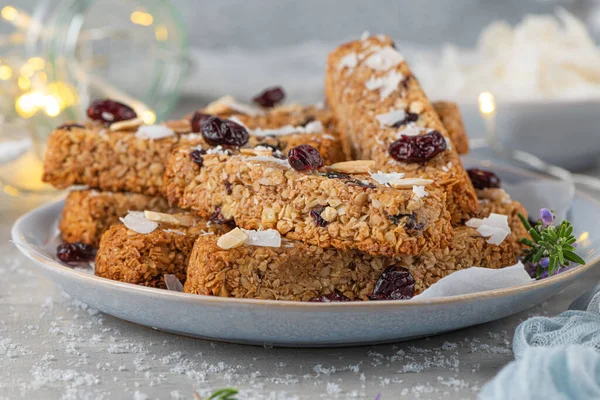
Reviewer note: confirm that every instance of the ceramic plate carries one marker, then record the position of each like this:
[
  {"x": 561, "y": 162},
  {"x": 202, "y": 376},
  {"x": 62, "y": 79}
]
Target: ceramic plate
[{"x": 286, "y": 323}]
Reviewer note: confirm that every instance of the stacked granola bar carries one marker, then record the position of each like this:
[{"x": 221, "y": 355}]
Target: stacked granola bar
[{"x": 364, "y": 200}]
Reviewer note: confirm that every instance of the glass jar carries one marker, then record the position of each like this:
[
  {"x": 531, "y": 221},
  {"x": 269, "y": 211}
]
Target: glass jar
[{"x": 63, "y": 54}]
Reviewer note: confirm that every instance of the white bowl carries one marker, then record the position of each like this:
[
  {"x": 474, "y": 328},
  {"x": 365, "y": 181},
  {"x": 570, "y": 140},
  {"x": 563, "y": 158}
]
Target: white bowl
[{"x": 563, "y": 133}]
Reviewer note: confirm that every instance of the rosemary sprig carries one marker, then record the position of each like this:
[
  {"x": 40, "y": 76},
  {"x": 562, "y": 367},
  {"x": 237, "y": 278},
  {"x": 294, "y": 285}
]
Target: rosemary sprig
[
  {"x": 550, "y": 247},
  {"x": 220, "y": 394}
]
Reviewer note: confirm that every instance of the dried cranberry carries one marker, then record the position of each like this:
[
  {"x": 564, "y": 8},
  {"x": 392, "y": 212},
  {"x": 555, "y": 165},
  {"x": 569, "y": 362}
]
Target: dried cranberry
[
  {"x": 228, "y": 187},
  {"x": 217, "y": 131},
  {"x": 197, "y": 119},
  {"x": 418, "y": 149},
  {"x": 217, "y": 218},
  {"x": 410, "y": 221},
  {"x": 395, "y": 283},
  {"x": 73, "y": 253},
  {"x": 405, "y": 81},
  {"x": 334, "y": 297},
  {"x": 409, "y": 117},
  {"x": 197, "y": 156},
  {"x": 316, "y": 214},
  {"x": 110, "y": 111},
  {"x": 483, "y": 179},
  {"x": 68, "y": 127},
  {"x": 305, "y": 157},
  {"x": 270, "y": 97}
]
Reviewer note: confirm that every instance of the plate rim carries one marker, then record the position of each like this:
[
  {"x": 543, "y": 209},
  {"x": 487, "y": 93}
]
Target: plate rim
[{"x": 217, "y": 300}]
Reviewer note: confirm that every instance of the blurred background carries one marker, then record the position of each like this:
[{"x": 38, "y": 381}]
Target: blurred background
[{"x": 166, "y": 58}]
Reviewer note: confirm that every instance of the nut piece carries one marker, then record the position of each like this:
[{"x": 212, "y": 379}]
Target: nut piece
[
  {"x": 354, "y": 167},
  {"x": 219, "y": 106},
  {"x": 179, "y": 126},
  {"x": 408, "y": 183},
  {"x": 256, "y": 152},
  {"x": 127, "y": 124},
  {"x": 232, "y": 239},
  {"x": 183, "y": 220}
]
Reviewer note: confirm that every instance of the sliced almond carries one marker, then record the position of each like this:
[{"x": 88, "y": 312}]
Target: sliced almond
[
  {"x": 220, "y": 106},
  {"x": 232, "y": 239},
  {"x": 127, "y": 124},
  {"x": 408, "y": 183},
  {"x": 179, "y": 126},
  {"x": 247, "y": 151},
  {"x": 174, "y": 219},
  {"x": 354, "y": 167}
]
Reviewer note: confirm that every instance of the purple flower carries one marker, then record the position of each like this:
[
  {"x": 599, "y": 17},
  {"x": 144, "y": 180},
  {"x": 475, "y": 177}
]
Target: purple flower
[
  {"x": 544, "y": 262},
  {"x": 546, "y": 217}
]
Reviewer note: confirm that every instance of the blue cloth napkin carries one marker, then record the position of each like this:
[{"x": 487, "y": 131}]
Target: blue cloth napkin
[{"x": 555, "y": 358}]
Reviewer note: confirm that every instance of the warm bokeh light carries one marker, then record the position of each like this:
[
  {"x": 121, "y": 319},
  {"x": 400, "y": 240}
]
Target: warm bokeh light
[
  {"x": 27, "y": 70},
  {"x": 141, "y": 18},
  {"x": 31, "y": 102},
  {"x": 161, "y": 33},
  {"x": 9, "y": 13},
  {"x": 583, "y": 237},
  {"x": 51, "y": 106},
  {"x": 36, "y": 63},
  {"x": 148, "y": 117},
  {"x": 5, "y": 72},
  {"x": 487, "y": 105},
  {"x": 24, "y": 83}
]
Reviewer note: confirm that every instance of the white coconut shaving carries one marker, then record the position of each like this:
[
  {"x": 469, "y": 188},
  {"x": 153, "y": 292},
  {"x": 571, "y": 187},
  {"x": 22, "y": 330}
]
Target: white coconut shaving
[
  {"x": 386, "y": 84},
  {"x": 266, "y": 238},
  {"x": 420, "y": 191},
  {"x": 384, "y": 178},
  {"x": 311, "y": 127},
  {"x": 384, "y": 59},
  {"x": 154, "y": 132},
  {"x": 411, "y": 129},
  {"x": 348, "y": 61},
  {"x": 136, "y": 221},
  {"x": 173, "y": 283},
  {"x": 391, "y": 117},
  {"x": 495, "y": 227}
]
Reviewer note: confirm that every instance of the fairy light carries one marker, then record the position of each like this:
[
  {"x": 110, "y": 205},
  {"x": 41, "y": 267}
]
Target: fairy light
[
  {"x": 141, "y": 18},
  {"x": 583, "y": 237},
  {"x": 5, "y": 72},
  {"x": 487, "y": 105},
  {"x": 149, "y": 117},
  {"x": 27, "y": 70},
  {"x": 161, "y": 33},
  {"x": 37, "y": 63},
  {"x": 9, "y": 13},
  {"x": 51, "y": 106}
]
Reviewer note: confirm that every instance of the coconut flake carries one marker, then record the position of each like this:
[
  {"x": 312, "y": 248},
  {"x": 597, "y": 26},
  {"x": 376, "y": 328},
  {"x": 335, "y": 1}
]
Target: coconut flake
[
  {"x": 284, "y": 163},
  {"x": 411, "y": 129},
  {"x": 173, "y": 283},
  {"x": 153, "y": 132},
  {"x": 312, "y": 127},
  {"x": 266, "y": 238},
  {"x": 391, "y": 117},
  {"x": 385, "y": 178},
  {"x": 495, "y": 227},
  {"x": 386, "y": 84},
  {"x": 420, "y": 191},
  {"x": 384, "y": 59},
  {"x": 175, "y": 231},
  {"x": 348, "y": 61},
  {"x": 365, "y": 35},
  {"x": 217, "y": 150},
  {"x": 136, "y": 221}
]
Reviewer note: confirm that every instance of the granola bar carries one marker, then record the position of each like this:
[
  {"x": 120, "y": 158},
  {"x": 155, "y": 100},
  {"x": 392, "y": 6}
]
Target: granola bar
[
  {"x": 300, "y": 271},
  {"x": 330, "y": 210},
  {"x": 143, "y": 259},
  {"x": 88, "y": 213},
  {"x": 451, "y": 117},
  {"x": 376, "y": 100}
]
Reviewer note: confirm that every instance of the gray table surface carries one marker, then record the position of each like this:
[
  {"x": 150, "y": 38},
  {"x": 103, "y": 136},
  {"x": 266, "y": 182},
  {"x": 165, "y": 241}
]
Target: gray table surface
[{"x": 53, "y": 347}]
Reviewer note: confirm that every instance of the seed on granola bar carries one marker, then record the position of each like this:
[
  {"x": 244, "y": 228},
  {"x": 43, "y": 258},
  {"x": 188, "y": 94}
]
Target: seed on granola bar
[
  {"x": 197, "y": 119},
  {"x": 217, "y": 131},
  {"x": 196, "y": 156},
  {"x": 418, "y": 149},
  {"x": 335, "y": 297},
  {"x": 305, "y": 157},
  {"x": 76, "y": 252},
  {"x": 110, "y": 111},
  {"x": 316, "y": 214},
  {"x": 482, "y": 179},
  {"x": 395, "y": 283},
  {"x": 270, "y": 97}
]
